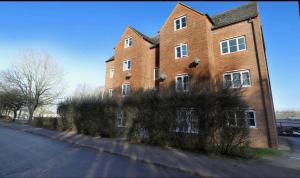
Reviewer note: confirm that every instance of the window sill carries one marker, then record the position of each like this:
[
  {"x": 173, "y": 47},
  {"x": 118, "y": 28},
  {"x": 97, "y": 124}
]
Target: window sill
[{"x": 232, "y": 52}]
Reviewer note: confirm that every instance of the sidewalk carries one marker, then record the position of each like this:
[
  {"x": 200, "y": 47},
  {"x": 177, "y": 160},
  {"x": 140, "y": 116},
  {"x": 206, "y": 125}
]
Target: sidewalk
[{"x": 197, "y": 164}]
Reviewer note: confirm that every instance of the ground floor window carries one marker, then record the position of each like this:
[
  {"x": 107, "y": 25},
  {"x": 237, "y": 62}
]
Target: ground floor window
[
  {"x": 126, "y": 89},
  {"x": 235, "y": 117},
  {"x": 121, "y": 119},
  {"x": 182, "y": 82},
  {"x": 186, "y": 120},
  {"x": 110, "y": 92}
]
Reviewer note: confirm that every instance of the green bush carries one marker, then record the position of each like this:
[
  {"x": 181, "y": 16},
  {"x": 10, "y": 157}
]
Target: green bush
[
  {"x": 198, "y": 120},
  {"x": 89, "y": 115}
]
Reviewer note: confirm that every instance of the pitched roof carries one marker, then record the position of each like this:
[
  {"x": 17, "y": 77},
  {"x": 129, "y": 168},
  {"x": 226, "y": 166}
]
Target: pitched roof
[
  {"x": 235, "y": 15},
  {"x": 110, "y": 59},
  {"x": 152, "y": 40}
]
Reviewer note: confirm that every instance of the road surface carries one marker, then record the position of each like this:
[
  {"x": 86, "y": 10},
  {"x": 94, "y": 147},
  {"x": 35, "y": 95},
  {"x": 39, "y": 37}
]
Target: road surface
[{"x": 28, "y": 155}]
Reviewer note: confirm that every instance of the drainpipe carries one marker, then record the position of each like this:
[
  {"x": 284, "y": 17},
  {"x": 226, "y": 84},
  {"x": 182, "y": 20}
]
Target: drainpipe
[{"x": 261, "y": 82}]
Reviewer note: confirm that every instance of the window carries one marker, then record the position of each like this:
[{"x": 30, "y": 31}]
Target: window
[
  {"x": 181, "y": 50},
  {"x": 156, "y": 74},
  {"x": 237, "y": 79},
  {"x": 125, "y": 89},
  {"x": 250, "y": 115},
  {"x": 121, "y": 119},
  {"x": 186, "y": 120},
  {"x": 128, "y": 42},
  {"x": 110, "y": 92},
  {"x": 235, "y": 118},
  {"x": 182, "y": 83},
  {"x": 111, "y": 72},
  {"x": 233, "y": 45},
  {"x": 126, "y": 65},
  {"x": 180, "y": 23}
]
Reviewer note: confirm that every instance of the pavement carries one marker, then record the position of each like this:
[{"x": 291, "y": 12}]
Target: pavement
[
  {"x": 28, "y": 155},
  {"x": 170, "y": 159}
]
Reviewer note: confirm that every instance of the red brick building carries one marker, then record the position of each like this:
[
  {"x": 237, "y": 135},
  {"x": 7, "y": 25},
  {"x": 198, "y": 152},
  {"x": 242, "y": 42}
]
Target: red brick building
[{"x": 227, "y": 48}]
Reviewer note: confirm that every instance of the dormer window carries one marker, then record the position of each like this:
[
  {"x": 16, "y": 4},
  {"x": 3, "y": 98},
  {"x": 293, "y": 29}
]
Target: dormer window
[
  {"x": 128, "y": 42},
  {"x": 180, "y": 23}
]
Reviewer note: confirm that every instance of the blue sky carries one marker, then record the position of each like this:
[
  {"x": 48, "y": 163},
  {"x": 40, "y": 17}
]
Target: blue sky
[{"x": 81, "y": 36}]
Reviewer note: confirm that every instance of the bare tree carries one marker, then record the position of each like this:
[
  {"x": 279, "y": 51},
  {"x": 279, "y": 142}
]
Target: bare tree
[
  {"x": 37, "y": 77},
  {"x": 10, "y": 100},
  {"x": 84, "y": 90}
]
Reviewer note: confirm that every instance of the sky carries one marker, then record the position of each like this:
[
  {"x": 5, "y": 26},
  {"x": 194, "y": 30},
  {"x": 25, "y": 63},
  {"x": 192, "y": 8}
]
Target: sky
[{"x": 80, "y": 36}]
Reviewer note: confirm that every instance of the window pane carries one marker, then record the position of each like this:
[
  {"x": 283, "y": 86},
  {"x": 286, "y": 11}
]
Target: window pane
[
  {"x": 236, "y": 79},
  {"x": 129, "y": 65},
  {"x": 232, "y": 42},
  {"x": 178, "y": 52},
  {"x": 130, "y": 42},
  {"x": 177, "y": 24},
  {"x": 179, "y": 83},
  {"x": 251, "y": 122},
  {"x": 183, "y": 22},
  {"x": 241, "y": 41},
  {"x": 185, "y": 83},
  {"x": 224, "y": 45},
  {"x": 233, "y": 48},
  {"x": 250, "y": 114},
  {"x": 246, "y": 79},
  {"x": 228, "y": 82},
  {"x": 233, "y": 45},
  {"x": 242, "y": 47},
  {"x": 184, "y": 50}
]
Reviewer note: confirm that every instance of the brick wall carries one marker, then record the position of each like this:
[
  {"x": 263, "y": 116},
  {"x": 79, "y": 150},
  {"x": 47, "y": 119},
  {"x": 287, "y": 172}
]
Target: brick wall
[{"x": 204, "y": 44}]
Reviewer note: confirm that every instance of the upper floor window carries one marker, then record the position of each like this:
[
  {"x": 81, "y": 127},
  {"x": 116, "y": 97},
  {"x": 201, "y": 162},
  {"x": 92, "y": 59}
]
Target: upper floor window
[
  {"x": 233, "y": 45},
  {"x": 111, "y": 72},
  {"x": 125, "y": 89},
  {"x": 180, "y": 23},
  {"x": 182, "y": 82},
  {"x": 128, "y": 42},
  {"x": 181, "y": 50},
  {"x": 110, "y": 92},
  {"x": 237, "y": 79},
  {"x": 127, "y": 65}
]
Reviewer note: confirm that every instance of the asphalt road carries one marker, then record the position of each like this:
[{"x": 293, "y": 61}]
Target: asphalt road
[
  {"x": 294, "y": 143},
  {"x": 27, "y": 155}
]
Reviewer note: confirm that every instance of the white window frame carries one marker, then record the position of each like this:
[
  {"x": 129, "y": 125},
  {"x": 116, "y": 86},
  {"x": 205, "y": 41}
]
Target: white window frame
[
  {"x": 254, "y": 113},
  {"x": 111, "y": 73},
  {"x": 127, "y": 42},
  {"x": 110, "y": 92},
  {"x": 182, "y": 77},
  {"x": 121, "y": 117},
  {"x": 188, "y": 118},
  {"x": 180, "y": 22},
  {"x": 241, "y": 74},
  {"x": 127, "y": 93},
  {"x": 156, "y": 73},
  {"x": 245, "y": 111},
  {"x": 180, "y": 46},
  {"x": 125, "y": 65},
  {"x": 228, "y": 47}
]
